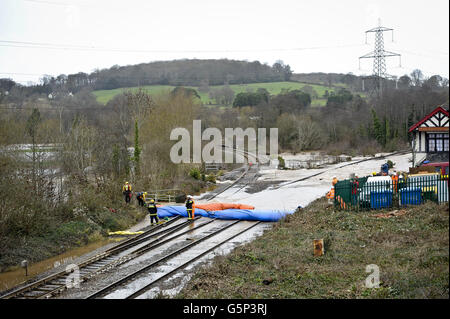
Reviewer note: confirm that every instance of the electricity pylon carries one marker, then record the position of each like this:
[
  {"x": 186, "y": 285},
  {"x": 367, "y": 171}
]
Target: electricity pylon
[{"x": 379, "y": 55}]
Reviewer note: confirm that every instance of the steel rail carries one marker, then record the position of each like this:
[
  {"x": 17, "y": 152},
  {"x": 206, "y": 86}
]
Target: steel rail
[
  {"x": 110, "y": 287},
  {"x": 146, "y": 287},
  {"x": 150, "y": 246},
  {"x": 348, "y": 164},
  {"x": 102, "y": 256},
  {"x": 155, "y": 234},
  {"x": 149, "y": 231},
  {"x": 121, "y": 260},
  {"x": 245, "y": 154}
]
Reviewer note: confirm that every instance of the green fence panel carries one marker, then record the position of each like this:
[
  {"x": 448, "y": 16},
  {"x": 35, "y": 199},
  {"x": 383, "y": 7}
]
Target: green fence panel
[{"x": 381, "y": 192}]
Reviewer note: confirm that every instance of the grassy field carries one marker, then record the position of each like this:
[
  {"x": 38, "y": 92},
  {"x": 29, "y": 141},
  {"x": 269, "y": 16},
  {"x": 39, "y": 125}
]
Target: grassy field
[
  {"x": 103, "y": 96},
  {"x": 411, "y": 251}
]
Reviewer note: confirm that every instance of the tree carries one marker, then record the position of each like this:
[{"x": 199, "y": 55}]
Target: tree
[
  {"x": 283, "y": 69},
  {"x": 340, "y": 98},
  {"x": 78, "y": 148},
  {"x": 378, "y": 132},
  {"x": 249, "y": 99},
  {"x": 32, "y": 128},
  {"x": 310, "y": 135},
  {"x": 310, "y": 90},
  {"x": 188, "y": 92},
  {"x": 404, "y": 82},
  {"x": 291, "y": 101},
  {"x": 137, "y": 149},
  {"x": 434, "y": 82},
  {"x": 416, "y": 77}
]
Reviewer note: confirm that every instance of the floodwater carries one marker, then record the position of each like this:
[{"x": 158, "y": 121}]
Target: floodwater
[
  {"x": 185, "y": 256},
  {"x": 13, "y": 278}
]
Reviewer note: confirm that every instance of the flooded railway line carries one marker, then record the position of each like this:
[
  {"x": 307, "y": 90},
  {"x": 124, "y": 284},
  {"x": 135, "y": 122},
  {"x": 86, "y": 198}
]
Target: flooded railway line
[
  {"x": 181, "y": 256},
  {"x": 54, "y": 284}
]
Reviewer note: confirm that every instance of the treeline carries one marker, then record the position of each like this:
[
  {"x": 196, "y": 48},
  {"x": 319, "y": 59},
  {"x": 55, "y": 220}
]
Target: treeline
[
  {"x": 363, "y": 83},
  {"x": 348, "y": 123},
  {"x": 177, "y": 73}
]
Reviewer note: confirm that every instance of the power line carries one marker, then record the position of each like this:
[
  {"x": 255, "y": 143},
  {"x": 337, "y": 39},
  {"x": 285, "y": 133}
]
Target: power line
[{"x": 55, "y": 46}]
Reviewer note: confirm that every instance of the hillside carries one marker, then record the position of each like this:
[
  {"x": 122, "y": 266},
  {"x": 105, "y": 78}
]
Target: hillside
[{"x": 103, "y": 96}]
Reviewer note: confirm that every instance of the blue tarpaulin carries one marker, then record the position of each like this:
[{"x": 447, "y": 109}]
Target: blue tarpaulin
[{"x": 241, "y": 214}]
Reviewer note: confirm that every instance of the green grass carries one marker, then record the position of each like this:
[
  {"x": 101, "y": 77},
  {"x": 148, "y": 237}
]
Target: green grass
[
  {"x": 411, "y": 251},
  {"x": 103, "y": 96}
]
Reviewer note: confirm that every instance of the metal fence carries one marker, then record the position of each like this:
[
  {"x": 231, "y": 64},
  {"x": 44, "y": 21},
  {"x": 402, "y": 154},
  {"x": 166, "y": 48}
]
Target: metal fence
[
  {"x": 163, "y": 195},
  {"x": 213, "y": 166},
  {"x": 386, "y": 192}
]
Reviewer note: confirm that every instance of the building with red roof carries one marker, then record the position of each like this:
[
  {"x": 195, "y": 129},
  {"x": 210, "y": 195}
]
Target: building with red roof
[{"x": 430, "y": 137}]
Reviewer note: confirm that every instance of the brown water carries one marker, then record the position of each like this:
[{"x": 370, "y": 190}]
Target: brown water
[{"x": 13, "y": 278}]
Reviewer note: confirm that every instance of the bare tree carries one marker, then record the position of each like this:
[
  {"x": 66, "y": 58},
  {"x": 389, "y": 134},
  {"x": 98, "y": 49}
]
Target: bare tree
[{"x": 417, "y": 77}]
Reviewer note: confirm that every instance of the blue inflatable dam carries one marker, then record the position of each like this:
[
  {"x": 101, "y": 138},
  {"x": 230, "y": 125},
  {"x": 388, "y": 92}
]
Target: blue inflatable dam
[{"x": 240, "y": 214}]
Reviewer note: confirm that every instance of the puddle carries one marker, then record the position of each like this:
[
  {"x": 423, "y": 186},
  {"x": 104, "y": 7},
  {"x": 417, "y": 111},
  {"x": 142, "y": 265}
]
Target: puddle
[{"x": 13, "y": 278}]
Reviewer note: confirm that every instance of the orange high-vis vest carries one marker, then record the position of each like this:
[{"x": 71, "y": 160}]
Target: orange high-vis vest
[
  {"x": 330, "y": 194},
  {"x": 395, "y": 182}
]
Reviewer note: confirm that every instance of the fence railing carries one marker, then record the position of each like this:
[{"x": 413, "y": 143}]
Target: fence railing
[
  {"x": 213, "y": 166},
  {"x": 368, "y": 193},
  {"x": 163, "y": 195}
]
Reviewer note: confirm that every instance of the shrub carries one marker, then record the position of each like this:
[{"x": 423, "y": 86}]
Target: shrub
[
  {"x": 195, "y": 173},
  {"x": 211, "y": 178},
  {"x": 281, "y": 163}
]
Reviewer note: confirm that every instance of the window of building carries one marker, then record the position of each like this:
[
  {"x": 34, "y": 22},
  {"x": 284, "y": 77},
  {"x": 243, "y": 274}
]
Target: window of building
[{"x": 437, "y": 142}]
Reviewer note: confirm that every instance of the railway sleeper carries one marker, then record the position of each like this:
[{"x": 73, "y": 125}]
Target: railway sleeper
[
  {"x": 45, "y": 287},
  {"x": 33, "y": 294}
]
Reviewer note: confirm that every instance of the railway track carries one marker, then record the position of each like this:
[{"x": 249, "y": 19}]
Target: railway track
[
  {"x": 240, "y": 179},
  {"x": 54, "y": 284},
  {"x": 345, "y": 165},
  {"x": 122, "y": 252},
  {"x": 151, "y": 239},
  {"x": 145, "y": 272}
]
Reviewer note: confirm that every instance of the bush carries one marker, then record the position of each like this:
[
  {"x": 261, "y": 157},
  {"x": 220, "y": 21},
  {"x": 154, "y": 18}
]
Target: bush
[
  {"x": 211, "y": 178},
  {"x": 281, "y": 163},
  {"x": 195, "y": 173}
]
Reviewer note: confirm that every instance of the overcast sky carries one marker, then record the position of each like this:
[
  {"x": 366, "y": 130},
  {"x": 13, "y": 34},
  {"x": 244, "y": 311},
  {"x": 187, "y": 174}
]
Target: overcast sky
[{"x": 68, "y": 36}]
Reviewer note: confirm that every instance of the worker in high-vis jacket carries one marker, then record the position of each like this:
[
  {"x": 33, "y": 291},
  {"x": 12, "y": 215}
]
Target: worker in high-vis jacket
[
  {"x": 140, "y": 198},
  {"x": 153, "y": 211},
  {"x": 126, "y": 190},
  {"x": 190, "y": 206},
  {"x": 334, "y": 181}
]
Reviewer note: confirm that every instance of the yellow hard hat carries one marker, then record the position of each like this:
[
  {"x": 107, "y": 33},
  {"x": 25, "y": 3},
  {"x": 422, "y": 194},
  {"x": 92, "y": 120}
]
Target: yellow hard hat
[
  {"x": 145, "y": 193},
  {"x": 152, "y": 200},
  {"x": 126, "y": 182}
]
